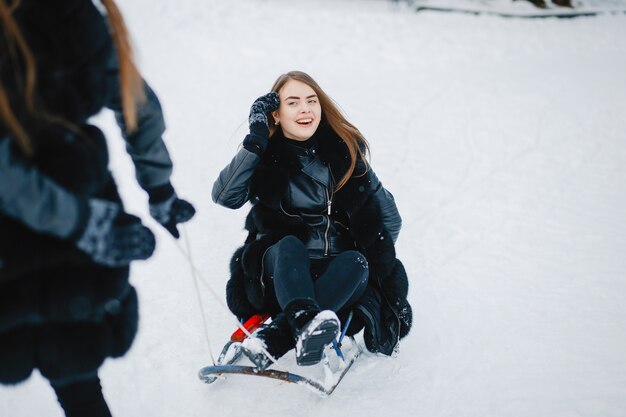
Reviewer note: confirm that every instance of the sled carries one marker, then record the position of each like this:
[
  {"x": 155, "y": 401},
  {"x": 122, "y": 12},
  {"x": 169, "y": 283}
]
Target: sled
[{"x": 231, "y": 353}]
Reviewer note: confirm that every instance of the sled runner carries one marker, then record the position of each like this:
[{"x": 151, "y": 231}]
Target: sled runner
[
  {"x": 211, "y": 373},
  {"x": 334, "y": 370}
]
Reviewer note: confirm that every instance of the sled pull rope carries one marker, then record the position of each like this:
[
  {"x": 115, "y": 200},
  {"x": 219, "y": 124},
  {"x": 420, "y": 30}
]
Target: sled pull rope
[
  {"x": 197, "y": 276},
  {"x": 194, "y": 275}
]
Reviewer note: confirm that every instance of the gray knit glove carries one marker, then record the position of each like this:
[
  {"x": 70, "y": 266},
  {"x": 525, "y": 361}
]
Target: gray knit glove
[
  {"x": 112, "y": 237},
  {"x": 257, "y": 140},
  {"x": 258, "y": 113}
]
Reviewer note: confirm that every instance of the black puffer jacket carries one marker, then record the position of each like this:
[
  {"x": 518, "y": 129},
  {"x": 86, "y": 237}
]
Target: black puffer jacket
[
  {"x": 290, "y": 189},
  {"x": 60, "y": 312}
]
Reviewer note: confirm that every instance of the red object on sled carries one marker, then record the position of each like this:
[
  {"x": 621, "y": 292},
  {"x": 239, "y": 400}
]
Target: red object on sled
[{"x": 250, "y": 325}]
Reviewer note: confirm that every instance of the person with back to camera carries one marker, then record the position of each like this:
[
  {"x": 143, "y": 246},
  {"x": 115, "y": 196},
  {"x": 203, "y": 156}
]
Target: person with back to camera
[
  {"x": 65, "y": 241},
  {"x": 321, "y": 230}
]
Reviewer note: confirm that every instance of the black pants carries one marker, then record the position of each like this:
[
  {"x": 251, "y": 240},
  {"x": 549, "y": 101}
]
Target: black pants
[
  {"x": 336, "y": 283},
  {"x": 82, "y": 398}
]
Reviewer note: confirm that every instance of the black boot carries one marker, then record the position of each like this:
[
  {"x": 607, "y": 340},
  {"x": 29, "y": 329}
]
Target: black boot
[
  {"x": 275, "y": 338},
  {"x": 312, "y": 329},
  {"x": 82, "y": 399}
]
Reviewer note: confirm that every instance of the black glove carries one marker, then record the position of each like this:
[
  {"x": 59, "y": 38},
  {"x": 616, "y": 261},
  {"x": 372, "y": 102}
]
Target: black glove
[
  {"x": 112, "y": 237},
  {"x": 256, "y": 141},
  {"x": 168, "y": 209}
]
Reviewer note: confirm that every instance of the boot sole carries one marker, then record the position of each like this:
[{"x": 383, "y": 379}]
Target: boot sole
[{"x": 313, "y": 345}]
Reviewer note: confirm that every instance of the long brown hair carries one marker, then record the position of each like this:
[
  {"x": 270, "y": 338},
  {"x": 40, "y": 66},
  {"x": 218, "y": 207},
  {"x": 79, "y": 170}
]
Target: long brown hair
[
  {"x": 331, "y": 114},
  {"x": 14, "y": 52},
  {"x": 131, "y": 83},
  {"x": 14, "y": 48}
]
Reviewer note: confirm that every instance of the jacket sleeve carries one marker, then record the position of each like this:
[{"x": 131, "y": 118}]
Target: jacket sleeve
[
  {"x": 145, "y": 145},
  {"x": 33, "y": 199},
  {"x": 230, "y": 189},
  {"x": 391, "y": 216}
]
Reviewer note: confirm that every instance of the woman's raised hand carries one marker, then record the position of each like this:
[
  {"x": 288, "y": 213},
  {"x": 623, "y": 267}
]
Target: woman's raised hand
[
  {"x": 258, "y": 113},
  {"x": 257, "y": 140}
]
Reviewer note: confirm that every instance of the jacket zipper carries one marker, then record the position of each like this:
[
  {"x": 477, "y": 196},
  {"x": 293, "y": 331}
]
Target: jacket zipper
[{"x": 329, "y": 200}]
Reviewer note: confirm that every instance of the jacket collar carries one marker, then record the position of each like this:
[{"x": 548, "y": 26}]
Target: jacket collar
[{"x": 329, "y": 148}]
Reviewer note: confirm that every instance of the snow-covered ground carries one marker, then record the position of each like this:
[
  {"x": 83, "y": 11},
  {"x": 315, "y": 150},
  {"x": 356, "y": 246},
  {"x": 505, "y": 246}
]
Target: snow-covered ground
[{"x": 504, "y": 144}]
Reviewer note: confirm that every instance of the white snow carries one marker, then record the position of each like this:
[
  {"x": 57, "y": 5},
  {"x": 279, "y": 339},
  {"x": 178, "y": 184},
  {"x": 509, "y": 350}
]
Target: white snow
[{"x": 503, "y": 142}]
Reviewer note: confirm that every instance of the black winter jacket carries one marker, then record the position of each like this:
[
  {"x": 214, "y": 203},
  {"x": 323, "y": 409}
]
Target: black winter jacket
[
  {"x": 290, "y": 189},
  {"x": 60, "y": 312}
]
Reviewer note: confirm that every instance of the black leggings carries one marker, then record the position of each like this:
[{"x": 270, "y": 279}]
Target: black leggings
[
  {"x": 287, "y": 264},
  {"x": 82, "y": 398}
]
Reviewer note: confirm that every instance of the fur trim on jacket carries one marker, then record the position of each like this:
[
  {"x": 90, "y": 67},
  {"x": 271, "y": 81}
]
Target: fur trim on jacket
[{"x": 60, "y": 312}]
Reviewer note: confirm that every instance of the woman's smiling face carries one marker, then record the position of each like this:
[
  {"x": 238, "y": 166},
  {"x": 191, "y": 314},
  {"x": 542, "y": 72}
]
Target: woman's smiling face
[{"x": 300, "y": 111}]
